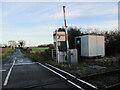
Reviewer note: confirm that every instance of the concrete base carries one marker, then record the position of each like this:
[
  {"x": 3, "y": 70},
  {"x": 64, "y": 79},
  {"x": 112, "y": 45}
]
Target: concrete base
[
  {"x": 72, "y": 56},
  {"x": 61, "y": 57}
]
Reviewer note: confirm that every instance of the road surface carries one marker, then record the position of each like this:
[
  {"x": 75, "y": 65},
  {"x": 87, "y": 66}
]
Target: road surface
[{"x": 19, "y": 72}]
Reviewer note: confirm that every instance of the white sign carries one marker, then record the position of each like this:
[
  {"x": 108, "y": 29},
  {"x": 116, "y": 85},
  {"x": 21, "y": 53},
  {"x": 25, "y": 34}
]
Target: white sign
[{"x": 59, "y": 36}]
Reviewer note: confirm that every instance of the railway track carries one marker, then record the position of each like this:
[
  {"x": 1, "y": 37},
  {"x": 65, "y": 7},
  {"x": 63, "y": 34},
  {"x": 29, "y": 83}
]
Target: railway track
[
  {"x": 92, "y": 82},
  {"x": 103, "y": 81},
  {"x": 106, "y": 80},
  {"x": 78, "y": 83},
  {"x": 85, "y": 85}
]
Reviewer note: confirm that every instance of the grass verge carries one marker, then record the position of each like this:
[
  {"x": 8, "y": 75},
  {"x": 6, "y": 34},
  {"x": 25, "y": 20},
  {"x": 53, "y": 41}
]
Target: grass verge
[
  {"x": 6, "y": 52},
  {"x": 34, "y": 57},
  {"x": 82, "y": 63},
  {"x": 36, "y": 49},
  {"x": 65, "y": 66}
]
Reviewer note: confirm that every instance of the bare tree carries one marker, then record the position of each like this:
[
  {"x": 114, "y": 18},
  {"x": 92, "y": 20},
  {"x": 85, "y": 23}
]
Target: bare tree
[
  {"x": 21, "y": 43},
  {"x": 12, "y": 43}
]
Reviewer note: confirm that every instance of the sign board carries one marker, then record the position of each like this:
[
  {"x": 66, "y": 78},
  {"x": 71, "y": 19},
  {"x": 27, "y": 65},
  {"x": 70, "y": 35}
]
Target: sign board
[{"x": 59, "y": 36}]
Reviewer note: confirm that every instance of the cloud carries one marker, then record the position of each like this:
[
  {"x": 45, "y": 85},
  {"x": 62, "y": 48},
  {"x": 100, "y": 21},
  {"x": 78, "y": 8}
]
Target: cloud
[
  {"x": 28, "y": 12},
  {"x": 106, "y": 25},
  {"x": 85, "y": 9},
  {"x": 39, "y": 30},
  {"x": 35, "y": 22},
  {"x": 37, "y": 12},
  {"x": 33, "y": 36},
  {"x": 60, "y": 0}
]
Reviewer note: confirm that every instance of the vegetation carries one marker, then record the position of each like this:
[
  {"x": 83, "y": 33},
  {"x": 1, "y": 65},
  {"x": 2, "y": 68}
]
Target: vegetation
[
  {"x": 67, "y": 67},
  {"x": 34, "y": 57},
  {"x": 112, "y": 39},
  {"x": 112, "y": 45},
  {"x": 45, "y": 57},
  {"x": 12, "y": 43},
  {"x": 72, "y": 33},
  {"x": 112, "y": 48},
  {"x": 37, "y": 54},
  {"x": 112, "y": 42},
  {"x": 36, "y": 49},
  {"x": 45, "y": 45},
  {"x": 6, "y": 52},
  {"x": 21, "y": 43},
  {"x": 63, "y": 66}
]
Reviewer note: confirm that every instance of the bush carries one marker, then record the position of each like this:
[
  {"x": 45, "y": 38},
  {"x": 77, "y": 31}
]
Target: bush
[
  {"x": 112, "y": 45},
  {"x": 48, "y": 53}
]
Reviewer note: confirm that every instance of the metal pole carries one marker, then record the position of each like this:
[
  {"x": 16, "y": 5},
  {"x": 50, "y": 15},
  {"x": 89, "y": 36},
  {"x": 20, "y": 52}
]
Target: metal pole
[{"x": 57, "y": 50}]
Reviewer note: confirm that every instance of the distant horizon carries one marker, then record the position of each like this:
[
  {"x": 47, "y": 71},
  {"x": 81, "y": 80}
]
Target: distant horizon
[
  {"x": 35, "y": 22},
  {"x": 53, "y": 43}
]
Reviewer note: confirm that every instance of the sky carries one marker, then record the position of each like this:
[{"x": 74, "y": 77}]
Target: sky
[{"x": 35, "y": 22}]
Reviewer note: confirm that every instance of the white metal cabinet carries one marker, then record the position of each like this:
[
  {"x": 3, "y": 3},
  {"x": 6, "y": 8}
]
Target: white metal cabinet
[{"x": 92, "y": 45}]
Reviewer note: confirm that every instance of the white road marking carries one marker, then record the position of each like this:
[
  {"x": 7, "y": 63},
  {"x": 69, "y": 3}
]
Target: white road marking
[
  {"x": 8, "y": 75},
  {"x": 53, "y": 71},
  {"x": 61, "y": 70},
  {"x": 23, "y": 63},
  {"x": 87, "y": 83},
  {"x": 2, "y": 70},
  {"x": 76, "y": 85},
  {"x": 73, "y": 76},
  {"x": 62, "y": 76}
]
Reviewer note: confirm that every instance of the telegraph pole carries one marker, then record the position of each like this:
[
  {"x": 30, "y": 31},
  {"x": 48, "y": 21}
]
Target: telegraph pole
[{"x": 66, "y": 32}]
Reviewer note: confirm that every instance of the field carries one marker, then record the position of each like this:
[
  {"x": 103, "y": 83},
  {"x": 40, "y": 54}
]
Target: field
[
  {"x": 5, "y": 52},
  {"x": 36, "y": 49},
  {"x": 35, "y": 54}
]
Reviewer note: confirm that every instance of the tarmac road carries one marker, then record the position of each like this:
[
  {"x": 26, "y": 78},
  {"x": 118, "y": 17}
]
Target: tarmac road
[{"x": 19, "y": 72}]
